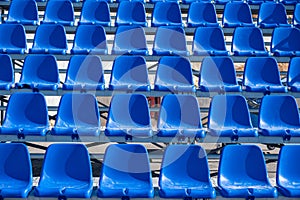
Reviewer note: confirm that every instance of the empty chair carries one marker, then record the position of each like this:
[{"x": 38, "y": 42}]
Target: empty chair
[
  {"x": 129, "y": 73},
  {"x": 7, "y": 76},
  {"x": 89, "y": 39},
  {"x": 142, "y": 1},
  {"x": 174, "y": 73},
  {"x": 50, "y": 38},
  {"x": 179, "y": 116},
  {"x": 170, "y": 40},
  {"x": 128, "y": 116},
  {"x": 262, "y": 75},
  {"x": 278, "y": 116},
  {"x": 130, "y": 40},
  {"x": 257, "y": 2},
  {"x": 132, "y": 174},
  {"x": 77, "y": 115},
  {"x": 289, "y": 2},
  {"x": 209, "y": 41},
  {"x": 217, "y": 74},
  {"x": 26, "y": 114},
  {"x": 248, "y": 41},
  {"x": 155, "y": 1},
  {"x": 59, "y": 12},
  {"x": 23, "y": 12},
  {"x": 285, "y": 41},
  {"x": 71, "y": 177},
  {"x": 131, "y": 13},
  {"x": 202, "y": 14},
  {"x": 84, "y": 73},
  {"x": 166, "y": 13},
  {"x": 95, "y": 12},
  {"x": 39, "y": 72},
  {"x": 12, "y": 39},
  {"x": 229, "y": 117},
  {"x": 293, "y": 76},
  {"x": 237, "y": 180},
  {"x": 287, "y": 176},
  {"x": 192, "y": 1},
  {"x": 224, "y": 2},
  {"x": 185, "y": 173},
  {"x": 296, "y": 16},
  {"x": 237, "y": 13}
]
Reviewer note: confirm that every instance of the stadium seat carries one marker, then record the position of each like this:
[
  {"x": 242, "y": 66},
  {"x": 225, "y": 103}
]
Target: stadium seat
[
  {"x": 7, "y": 77},
  {"x": 285, "y": 41},
  {"x": 174, "y": 73},
  {"x": 130, "y": 40},
  {"x": 132, "y": 174},
  {"x": 209, "y": 41},
  {"x": 237, "y": 13},
  {"x": 50, "y": 38},
  {"x": 89, "y": 39},
  {"x": 71, "y": 177},
  {"x": 166, "y": 13},
  {"x": 59, "y": 12},
  {"x": 192, "y": 1},
  {"x": 248, "y": 41},
  {"x": 95, "y": 12},
  {"x": 293, "y": 76},
  {"x": 296, "y": 16},
  {"x": 170, "y": 40},
  {"x": 84, "y": 73},
  {"x": 289, "y": 2},
  {"x": 77, "y": 115},
  {"x": 237, "y": 180},
  {"x": 185, "y": 173},
  {"x": 287, "y": 176},
  {"x": 224, "y": 2},
  {"x": 128, "y": 116},
  {"x": 262, "y": 75},
  {"x": 142, "y": 1},
  {"x": 217, "y": 74},
  {"x": 202, "y": 14},
  {"x": 16, "y": 172},
  {"x": 131, "y": 13},
  {"x": 229, "y": 117},
  {"x": 271, "y": 15},
  {"x": 12, "y": 39},
  {"x": 26, "y": 114},
  {"x": 129, "y": 73},
  {"x": 179, "y": 116},
  {"x": 278, "y": 116},
  {"x": 155, "y": 1},
  {"x": 23, "y": 12}
]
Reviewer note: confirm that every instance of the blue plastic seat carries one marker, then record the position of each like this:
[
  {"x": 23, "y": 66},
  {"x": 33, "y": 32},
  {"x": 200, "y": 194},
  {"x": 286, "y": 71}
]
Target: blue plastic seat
[
  {"x": 50, "y": 38},
  {"x": 258, "y": 2},
  {"x": 129, "y": 73},
  {"x": 202, "y": 14},
  {"x": 166, "y": 13},
  {"x": 224, "y": 2},
  {"x": 131, "y": 13},
  {"x": 192, "y": 1},
  {"x": 209, "y": 41},
  {"x": 130, "y": 40},
  {"x": 95, "y": 12},
  {"x": 39, "y": 72},
  {"x": 16, "y": 172},
  {"x": 289, "y": 2},
  {"x": 174, "y": 73},
  {"x": 7, "y": 77},
  {"x": 12, "y": 39},
  {"x": 229, "y": 117},
  {"x": 237, "y": 180},
  {"x": 287, "y": 176},
  {"x": 89, "y": 39},
  {"x": 179, "y": 116},
  {"x": 77, "y": 115},
  {"x": 59, "y": 12},
  {"x": 170, "y": 40},
  {"x": 262, "y": 75},
  {"x": 248, "y": 41},
  {"x": 26, "y": 114},
  {"x": 278, "y": 116},
  {"x": 128, "y": 116},
  {"x": 271, "y": 15},
  {"x": 237, "y": 13},
  {"x": 155, "y": 1},
  {"x": 185, "y": 173},
  {"x": 296, "y": 16},
  {"x": 285, "y": 41},
  {"x": 84, "y": 73},
  {"x": 23, "y": 12},
  {"x": 217, "y": 74},
  {"x": 293, "y": 77},
  {"x": 133, "y": 174},
  {"x": 71, "y": 177},
  {"x": 142, "y": 1}
]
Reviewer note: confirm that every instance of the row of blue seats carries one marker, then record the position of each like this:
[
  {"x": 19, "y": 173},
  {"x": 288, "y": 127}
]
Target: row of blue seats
[
  {"x": 184, "y": 172},
  {"x": 129, "y": 116}
]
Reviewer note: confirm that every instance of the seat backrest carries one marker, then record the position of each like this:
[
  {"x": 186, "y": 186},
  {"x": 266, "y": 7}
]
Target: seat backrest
[
  {"x": 95, "y": 12},
  {"x": 6, "y": 70},
  {"x": 131, "y": 13},
  {"x": 166, "y": 13},
  {"x": 24, "y": 12},
  {"x": 296, "y": 16},
  {"x": 59, "y": 11},
  {"x": 236, "y": 13},
  {"x": 293, "y": 71},
  {"x": 272, "y": 14},
  {"x": 202, "y": 14},
  {"x": 12, "y": 38},
  {"x": 285, "y": 39}
]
